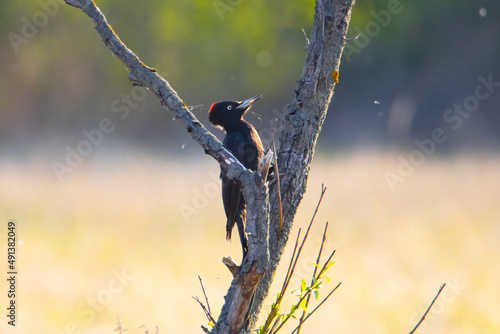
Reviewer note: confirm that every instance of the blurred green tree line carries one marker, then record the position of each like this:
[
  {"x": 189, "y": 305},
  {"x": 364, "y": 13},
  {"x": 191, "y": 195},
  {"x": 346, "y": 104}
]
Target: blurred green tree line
[{"x": 411, "y": 62}]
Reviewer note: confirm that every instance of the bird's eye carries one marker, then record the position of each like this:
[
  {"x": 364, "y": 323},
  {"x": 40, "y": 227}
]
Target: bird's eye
[{"x": 229, "y": 107}]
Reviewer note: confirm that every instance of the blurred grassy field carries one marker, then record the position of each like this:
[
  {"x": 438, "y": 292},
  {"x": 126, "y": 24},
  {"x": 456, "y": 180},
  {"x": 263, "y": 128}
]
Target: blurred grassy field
[{"x": 128, "y": 238}]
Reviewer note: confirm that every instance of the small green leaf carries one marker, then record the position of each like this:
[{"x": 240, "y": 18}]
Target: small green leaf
[
  {"x": 304, "y": 307},
  {"x": 302, "y": 285},
  {"x": 327, "y": 278},
  {"x": 329, "y": 264},
  {"x": 302, "y": 304},
  {"x": 316, "y": 293}
]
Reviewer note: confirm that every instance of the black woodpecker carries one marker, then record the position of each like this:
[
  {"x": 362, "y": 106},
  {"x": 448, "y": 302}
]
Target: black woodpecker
[{"x": 244, "y": 143}]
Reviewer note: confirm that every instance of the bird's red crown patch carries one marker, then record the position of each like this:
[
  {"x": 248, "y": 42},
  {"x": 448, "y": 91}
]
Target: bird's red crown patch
[{"x": 213, "y": 104}]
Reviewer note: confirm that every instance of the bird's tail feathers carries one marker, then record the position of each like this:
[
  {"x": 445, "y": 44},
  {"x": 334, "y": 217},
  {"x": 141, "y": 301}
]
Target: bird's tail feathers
[{"x": 228, "y": 233}]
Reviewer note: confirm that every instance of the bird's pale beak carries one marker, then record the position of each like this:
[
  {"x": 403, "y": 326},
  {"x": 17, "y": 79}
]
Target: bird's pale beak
[{"x": 248, "y": 102}]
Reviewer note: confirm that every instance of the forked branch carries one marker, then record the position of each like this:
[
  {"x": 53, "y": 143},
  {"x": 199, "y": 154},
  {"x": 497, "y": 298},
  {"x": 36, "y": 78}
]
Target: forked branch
[
  {"x": 299, "y": 131},
  {"x": 253, "y": 184},
  {"x": 429, "y": 308}
]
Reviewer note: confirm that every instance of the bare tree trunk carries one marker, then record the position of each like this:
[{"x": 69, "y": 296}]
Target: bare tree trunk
[
  {"x": 301, "y": 126},
  {"x": 299, "y": 131}
]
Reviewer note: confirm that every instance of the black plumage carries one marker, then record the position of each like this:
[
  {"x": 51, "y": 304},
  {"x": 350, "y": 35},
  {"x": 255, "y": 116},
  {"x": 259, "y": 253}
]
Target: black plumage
[{"x": 244, "y": 143}]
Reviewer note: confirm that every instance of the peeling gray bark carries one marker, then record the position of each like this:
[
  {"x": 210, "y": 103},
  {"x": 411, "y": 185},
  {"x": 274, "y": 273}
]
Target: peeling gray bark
[{"x": 299, "y": 131}]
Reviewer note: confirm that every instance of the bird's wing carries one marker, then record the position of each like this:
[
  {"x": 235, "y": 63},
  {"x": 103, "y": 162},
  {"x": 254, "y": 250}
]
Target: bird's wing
[
  {"x": 231, "y": 196},
  {"x": 231, "y": 193},
  {"x": 236, "y": 145}
]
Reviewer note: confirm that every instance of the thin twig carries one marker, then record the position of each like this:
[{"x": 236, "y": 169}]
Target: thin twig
[
  {"x": 275, "y": 308},
  {"x": 324, "y": 300},
  {"x": 295, "y": 260},
  {"x": 207, "y": 314},
  {"x": 275, "y": 324},
  {"x": 323, "y": 190},
  {"x": 428, "y": 309},
  {"x": 308, "y": 292},
  {"x": 147, "y": 330},
  {"x": 301, "y": 321},
  {"x": 305, "y": 35},
  {"x": 352, "y": 38},
  {"x": 287, "y": 280},
  {"x": 278, "y": 188},
  {"x": 119, "y": 326},
  {"x": 326, "y": 262},
  {"x": 204, "y": 293}
]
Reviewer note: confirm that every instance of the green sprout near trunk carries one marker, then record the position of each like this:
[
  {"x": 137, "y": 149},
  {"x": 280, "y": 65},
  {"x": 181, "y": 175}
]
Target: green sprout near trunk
[{"x": 277, "y": 318}]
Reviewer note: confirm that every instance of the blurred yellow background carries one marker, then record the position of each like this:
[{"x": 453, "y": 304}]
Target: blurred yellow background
[
  {"x": 128, "y": 227},
  {"x": 129, "y": 239}
]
